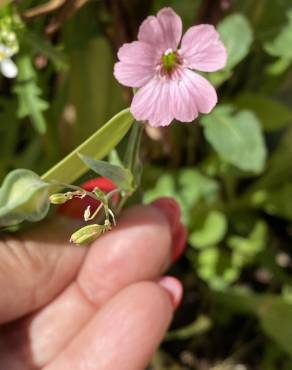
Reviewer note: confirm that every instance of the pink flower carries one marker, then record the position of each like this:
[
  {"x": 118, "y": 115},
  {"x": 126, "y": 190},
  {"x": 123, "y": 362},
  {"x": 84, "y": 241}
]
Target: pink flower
[{"x": 168, "y": 88}]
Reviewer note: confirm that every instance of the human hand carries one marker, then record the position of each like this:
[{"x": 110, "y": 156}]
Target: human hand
[{"x": 103, "y": 307}]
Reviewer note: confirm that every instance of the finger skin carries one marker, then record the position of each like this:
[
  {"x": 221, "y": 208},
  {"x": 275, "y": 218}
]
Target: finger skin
[
  {"x": 137, "y": 249},
  {"x": 123, "y": 335},
  {"x": 36, "y": 266}
]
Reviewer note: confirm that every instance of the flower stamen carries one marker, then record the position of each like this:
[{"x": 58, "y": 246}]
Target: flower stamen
[{"x": 170, "y": 60}]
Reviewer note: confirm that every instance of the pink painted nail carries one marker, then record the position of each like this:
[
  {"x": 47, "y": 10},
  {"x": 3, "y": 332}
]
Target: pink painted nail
[
  {"x": 173, "y": 287},
  {"x": 179, "y": 242},
  {"x": 171, "y": 209}
]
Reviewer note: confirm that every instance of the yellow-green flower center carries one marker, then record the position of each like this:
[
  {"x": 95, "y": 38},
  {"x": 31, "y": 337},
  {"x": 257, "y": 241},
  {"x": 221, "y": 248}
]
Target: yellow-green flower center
[{"x": 170, "y": 60}]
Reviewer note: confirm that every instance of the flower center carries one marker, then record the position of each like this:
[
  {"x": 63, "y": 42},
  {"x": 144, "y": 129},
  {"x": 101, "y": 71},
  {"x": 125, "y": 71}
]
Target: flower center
[{"x": 170, "y": 60}]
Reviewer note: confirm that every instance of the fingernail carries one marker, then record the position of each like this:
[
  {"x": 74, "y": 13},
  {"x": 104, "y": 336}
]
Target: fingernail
[
  {"x": 174, "y": 289},
  {"x": 171, "y": 209},
  {"x": 179, "y": 242},
  {"x": 102, "y": 183}
]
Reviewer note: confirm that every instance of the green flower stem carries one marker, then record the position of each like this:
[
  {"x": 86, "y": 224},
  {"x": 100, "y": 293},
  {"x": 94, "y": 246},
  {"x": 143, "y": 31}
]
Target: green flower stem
[
  {"x": 89, "y": 193},
  {"x": 132, "y": 159},
  {"x": 112, "y": 193},
  {"x": 72, "y": 187}
]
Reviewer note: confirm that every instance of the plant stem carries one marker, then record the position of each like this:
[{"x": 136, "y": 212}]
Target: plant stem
[
  {"x": 73, "y": 187},
  {"x": 132, "y": 159}
]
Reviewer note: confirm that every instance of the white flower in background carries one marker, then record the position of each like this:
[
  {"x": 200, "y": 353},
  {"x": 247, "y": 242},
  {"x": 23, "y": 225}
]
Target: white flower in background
[
  {"x": 7, "y": 66},
  {"x": 10, "y": 25}
]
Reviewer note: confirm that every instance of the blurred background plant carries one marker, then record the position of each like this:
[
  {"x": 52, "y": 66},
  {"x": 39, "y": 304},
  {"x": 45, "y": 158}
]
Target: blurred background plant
[{"x": 230, "y": 171}]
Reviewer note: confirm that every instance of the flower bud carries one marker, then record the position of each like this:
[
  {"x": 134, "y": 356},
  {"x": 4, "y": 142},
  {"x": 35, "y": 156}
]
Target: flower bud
[
  {"x": 87, "y": 234},
  {"x": 59, "y": 198}
]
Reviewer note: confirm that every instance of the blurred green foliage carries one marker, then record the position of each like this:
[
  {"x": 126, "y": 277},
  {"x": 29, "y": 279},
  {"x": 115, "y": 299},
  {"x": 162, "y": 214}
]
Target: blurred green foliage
[{"x": 230, "y": 170}]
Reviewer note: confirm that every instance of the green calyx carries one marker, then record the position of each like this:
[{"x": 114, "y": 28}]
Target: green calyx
[{"x": 170, "y": 60}]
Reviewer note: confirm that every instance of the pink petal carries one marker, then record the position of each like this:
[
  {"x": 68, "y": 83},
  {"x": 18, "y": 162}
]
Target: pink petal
[
  {"x": 152, "y": 103},
  {"x": 200, "y": 89},
  {"x": 171, "y": 24},
  {"x": 132, "y": 76},
  {"x": 202, "y": 49},
  {"x": 163, "y": 31},
  {"x": 138, "y": 52},
  {"x": 185, "y": 97},
  {"x": 183, "y": 103},
  {"x": 137, "y": 64},
  {"x": 190, "y": 95},
  {"x": 182, "y": 98}
]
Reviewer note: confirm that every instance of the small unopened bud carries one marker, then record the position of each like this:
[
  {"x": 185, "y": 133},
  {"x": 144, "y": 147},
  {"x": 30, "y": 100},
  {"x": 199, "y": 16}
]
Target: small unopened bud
[
  {"x": 87, "y": 234},
  {"x": 59, "y": 198}
]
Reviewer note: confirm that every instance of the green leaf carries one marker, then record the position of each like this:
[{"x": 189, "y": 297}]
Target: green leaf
[
  {"x": 214, "y": 267},
  {"x": 278, "y": 202},
  {"x": 231, "y": 29},
  {"x": 188, "y": 186},
  {"x": 237, "y": 137},
  {"x": 30, "y": 102},
  {"x": 272, "y": 114},
  {"x": 207, "y": 261},
  {"x": 211, "y": 232},
  {"x": 122, "y": 177},
  {"x": 279, "y": 165},
  {"x": 23, "y": 196},
  {"x": 165, "y": 186},
  {"x": 96, "y": 146},
  {"x": 114, "y": 158},
  {"x": 245, "y": 249},
  {"x": 276, "y": 319},
  {"x": 195, "y": 186},
  {"x": 279, "y": 48},
  {"x": 281, "y": 45}
]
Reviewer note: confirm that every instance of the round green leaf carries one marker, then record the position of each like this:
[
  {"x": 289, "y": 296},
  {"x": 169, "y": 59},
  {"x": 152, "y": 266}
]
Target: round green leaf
[
  {"x": 236, "y": 137},
  {"x": 212, "y": 231}
]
